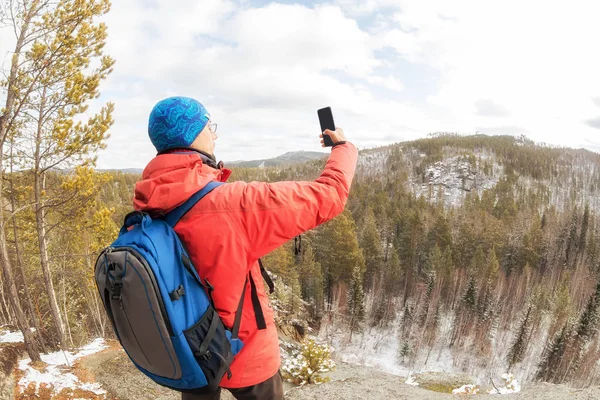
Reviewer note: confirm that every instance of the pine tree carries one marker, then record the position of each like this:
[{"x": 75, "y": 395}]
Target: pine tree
[
  {"x": 410, "y": 237},
  {"x": 446, "y": 276},
  {"x": 427, "y": 301},
  {"x": 466, "y": 241},
  {"x": 436, "y": 261},
  {"x": 478, "y": 263},
  {"x": 447, "y": 267},
  {"x": 406, "y": 322},
  {"x": 532, "y": 244},
  {"x": 562, "y": 302},
  {"x": 584, "y": 229},
  {"x": 439, "y": 235},
  {"x": 370, "y": 243},
  {"x": 493, "y": 266},
  {"x": 486, "y": 301},
  {"x": 519, "y": 346},
  {"x": 572, "y": 239},
  {"x": 403, "y": 351},
  {"x": 356, "y": 298},
  {"x": 63, "y": 81},
  {"x": 307, "y": 363},
  {"x": 548, "y": 368},
  {"x": 23, "y": 18},
  {"x": 470, "y": 296},
  {"x": 392, "y": 276},
  {"x": 336, "y": 249},
  {"x": 588, "y": 323},
  {"x": 378, "y": 310},
  {"x": 281, "y": 262},
  {"x": 544, "y": 220},
  {"x": 311, "y": 282}
]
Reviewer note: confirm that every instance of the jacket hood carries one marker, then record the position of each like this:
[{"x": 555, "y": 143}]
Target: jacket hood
[{"x": 170, "y": 179}]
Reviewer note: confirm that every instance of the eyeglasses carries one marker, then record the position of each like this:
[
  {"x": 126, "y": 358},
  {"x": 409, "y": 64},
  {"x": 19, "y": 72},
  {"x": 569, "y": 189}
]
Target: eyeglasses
[{"x": 212, "y": 127}]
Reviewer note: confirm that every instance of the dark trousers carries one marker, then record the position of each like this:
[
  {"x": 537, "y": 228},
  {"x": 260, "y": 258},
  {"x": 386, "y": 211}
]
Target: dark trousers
[{"x": 271, "y": 389}]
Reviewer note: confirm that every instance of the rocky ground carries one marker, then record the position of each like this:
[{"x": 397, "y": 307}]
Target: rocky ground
[{"x": 117, "y": 375}]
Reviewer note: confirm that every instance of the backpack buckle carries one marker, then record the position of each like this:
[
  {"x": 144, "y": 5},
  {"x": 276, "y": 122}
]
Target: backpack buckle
[
  {"x": 177, "y": 293},
  {"x": 205, "y": 357},
  {"x": 116, "y": 291}
]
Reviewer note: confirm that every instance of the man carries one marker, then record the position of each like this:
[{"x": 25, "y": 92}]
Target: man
[{"x": 234, "y": 225}]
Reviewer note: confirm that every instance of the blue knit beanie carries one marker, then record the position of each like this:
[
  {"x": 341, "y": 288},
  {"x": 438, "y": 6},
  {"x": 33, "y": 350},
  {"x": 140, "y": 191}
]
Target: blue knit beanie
[{"x": 176, "y": 122}]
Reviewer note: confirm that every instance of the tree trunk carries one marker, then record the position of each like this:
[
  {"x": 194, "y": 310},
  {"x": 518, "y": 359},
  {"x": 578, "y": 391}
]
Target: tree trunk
[
  {"x": 39, "y": 187},
  {"x": 43, "y": 248},
  {"x": 30, "y": 344},
  {"x": 94, "y": 305},
  {"x": 4, "y": 310},
  {"x": 33, "y": 315},
  {"x": 11, "y": 95},
  {"x": 96, "y": 313},
  {"x": 13, "y": 294},
  {"x": 65, "y": 309}
]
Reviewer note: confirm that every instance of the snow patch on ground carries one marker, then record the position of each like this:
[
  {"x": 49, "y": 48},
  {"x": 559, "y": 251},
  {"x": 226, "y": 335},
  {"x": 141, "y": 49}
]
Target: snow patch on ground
[
  {"x": 511, "y": 385},
  {"x": 378, "y": 348},
  {"x": 7, "y": 336},
  {"x": 11, "y": 337},
  {"x": 411, "y": 381},
  {"x": 466, "y": 389},
  {"x": 55, "y": 374}
]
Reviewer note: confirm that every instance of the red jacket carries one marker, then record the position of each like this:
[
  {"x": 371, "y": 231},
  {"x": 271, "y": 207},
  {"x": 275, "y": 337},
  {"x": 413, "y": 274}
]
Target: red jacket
[{"x": 236, "y": 224}]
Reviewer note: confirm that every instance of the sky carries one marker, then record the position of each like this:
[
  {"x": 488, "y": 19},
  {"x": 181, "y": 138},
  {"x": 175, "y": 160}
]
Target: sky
[{"x": 391, "y": 70}]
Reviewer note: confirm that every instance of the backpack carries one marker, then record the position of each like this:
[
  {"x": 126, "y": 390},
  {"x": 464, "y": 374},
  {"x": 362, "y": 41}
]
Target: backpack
[{"x": 161, "y": 310}]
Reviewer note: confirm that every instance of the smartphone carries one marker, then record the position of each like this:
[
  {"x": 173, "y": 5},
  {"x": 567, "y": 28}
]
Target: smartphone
[{"x": 326, "y": 121}]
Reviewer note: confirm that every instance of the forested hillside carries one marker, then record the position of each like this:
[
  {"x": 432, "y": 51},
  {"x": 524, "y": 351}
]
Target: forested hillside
[
  {"x": 502, "y": 276},
  {"x": 505, "y": 278}
]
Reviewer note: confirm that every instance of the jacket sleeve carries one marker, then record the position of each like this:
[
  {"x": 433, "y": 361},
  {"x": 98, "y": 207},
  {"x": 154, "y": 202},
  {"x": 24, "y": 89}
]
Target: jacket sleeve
[{"x": 273, "y": 213}]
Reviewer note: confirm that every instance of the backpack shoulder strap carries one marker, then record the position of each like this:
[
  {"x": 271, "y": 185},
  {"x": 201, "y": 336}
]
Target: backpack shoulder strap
[
  {"x": 258, "y": 312},
  {"x": 266, "y": 276},
  {"x": 176, "y": 214},
  {"x": 238, "y": 314}
]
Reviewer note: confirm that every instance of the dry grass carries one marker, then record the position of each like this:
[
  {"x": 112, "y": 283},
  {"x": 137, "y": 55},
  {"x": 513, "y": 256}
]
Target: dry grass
[
  {"x": 83, "y": 374},
  {"x": 69, "y": 394},
  {"x": 39, "y": 366}
]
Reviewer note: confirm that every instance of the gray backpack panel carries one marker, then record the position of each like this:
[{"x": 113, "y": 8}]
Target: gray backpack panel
[{"x": 131, "y": 294}]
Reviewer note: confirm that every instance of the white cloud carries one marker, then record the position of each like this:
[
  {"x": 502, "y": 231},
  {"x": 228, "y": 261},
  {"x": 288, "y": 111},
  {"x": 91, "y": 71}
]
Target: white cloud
[
  {"x": 263, "y": 71},
  {"x": 594, "y": 122},
  {"x": 388, "y": 82},
  {"x": 487, "y": 108},
  {"x": 366, "y": 7},
  {"x": 535, "y": 57},
  {"x": 318, "y": 39}
]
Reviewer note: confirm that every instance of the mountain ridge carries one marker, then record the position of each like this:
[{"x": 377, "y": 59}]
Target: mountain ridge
[{"x": 289, "y": 158}]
